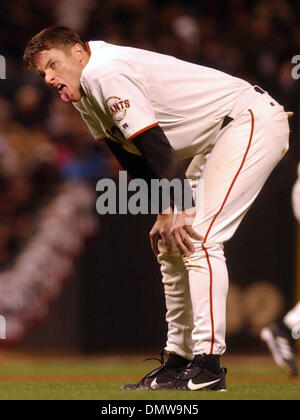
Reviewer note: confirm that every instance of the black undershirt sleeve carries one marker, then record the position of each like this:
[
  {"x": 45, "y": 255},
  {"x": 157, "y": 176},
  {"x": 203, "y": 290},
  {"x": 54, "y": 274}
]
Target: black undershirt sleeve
[
  {"x": 158, "y": 161},
  {"x": 136, "y": 166},
  {"x": 165, "y": 164},
  {"x": 161, "y": 157}
]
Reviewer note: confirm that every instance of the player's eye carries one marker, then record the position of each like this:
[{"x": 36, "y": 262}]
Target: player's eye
[{"x": 53, "y": 65}]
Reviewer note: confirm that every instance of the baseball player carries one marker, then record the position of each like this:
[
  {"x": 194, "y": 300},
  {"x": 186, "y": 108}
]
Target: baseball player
[
  {"x": 153, "y": 111},
  {"x": 281, "y": 336}
]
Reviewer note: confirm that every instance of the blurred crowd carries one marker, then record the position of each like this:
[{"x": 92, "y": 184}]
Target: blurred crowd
[
  {"x": 48, "y": 162},
  {"x": 38, "y": 274}
]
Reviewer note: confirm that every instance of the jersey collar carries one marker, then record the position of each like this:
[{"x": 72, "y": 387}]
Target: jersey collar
[{"x": 88, "y": 48}]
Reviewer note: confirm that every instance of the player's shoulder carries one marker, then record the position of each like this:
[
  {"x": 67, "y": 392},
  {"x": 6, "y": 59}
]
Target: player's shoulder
[{"x": 105, "y": 60}]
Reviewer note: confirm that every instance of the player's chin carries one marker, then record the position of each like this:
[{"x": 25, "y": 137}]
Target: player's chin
[{"x": 75, "y": 98}]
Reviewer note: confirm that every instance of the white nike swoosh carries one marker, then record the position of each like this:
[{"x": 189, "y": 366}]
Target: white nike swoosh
[
  {"x": 196, "y": 387},
  {"x": 154, "y": 384}
]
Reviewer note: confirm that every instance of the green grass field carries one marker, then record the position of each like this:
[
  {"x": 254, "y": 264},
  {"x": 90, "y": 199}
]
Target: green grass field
[{"x": 82, "y": 378}]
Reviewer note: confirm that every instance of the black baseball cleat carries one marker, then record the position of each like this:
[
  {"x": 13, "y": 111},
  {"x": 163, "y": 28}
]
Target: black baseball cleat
[
  {"x": 160, "y": 377},
  {"x": 202, "y": 374},
  {"x": 278, "y": 338}
]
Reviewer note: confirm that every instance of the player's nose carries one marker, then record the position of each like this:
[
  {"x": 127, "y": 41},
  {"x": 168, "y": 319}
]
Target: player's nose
[{"x": 49, "y": 78}]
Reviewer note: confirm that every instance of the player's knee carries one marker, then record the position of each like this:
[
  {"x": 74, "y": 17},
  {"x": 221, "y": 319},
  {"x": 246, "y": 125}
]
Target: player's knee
[{"x": 204, "y": 251}]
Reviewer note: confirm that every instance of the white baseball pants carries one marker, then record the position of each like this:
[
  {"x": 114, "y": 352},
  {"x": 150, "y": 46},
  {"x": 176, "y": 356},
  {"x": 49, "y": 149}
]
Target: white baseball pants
[
  {"x": 245, "y": 153},
  {"x": 292, "y": 319}
]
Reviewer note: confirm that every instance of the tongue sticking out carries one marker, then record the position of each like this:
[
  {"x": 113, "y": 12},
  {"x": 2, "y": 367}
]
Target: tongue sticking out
[{"x": 65, "y": 94}]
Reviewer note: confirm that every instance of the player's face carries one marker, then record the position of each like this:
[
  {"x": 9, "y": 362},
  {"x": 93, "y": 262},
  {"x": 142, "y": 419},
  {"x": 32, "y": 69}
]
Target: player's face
[{"x": 62, "y": 68}]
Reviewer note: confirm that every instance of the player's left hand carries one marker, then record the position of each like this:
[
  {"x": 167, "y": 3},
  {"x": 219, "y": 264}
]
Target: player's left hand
[{"x": 182, "y": 231}]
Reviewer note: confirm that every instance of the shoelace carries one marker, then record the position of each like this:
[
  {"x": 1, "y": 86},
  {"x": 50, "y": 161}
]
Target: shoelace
[{"x": 161, "y": 360}]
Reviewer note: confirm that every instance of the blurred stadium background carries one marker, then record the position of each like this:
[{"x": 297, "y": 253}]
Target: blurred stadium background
[{"x": 71, "y": 280}]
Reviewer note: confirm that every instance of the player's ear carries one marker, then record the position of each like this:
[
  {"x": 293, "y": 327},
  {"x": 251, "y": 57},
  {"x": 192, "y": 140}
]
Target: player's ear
[{"x": 78, "y": 51}]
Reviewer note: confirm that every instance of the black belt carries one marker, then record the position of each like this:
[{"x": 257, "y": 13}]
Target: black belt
[
  {"x": 259, "y": 90},
  {"x": 228, "y": 120}
]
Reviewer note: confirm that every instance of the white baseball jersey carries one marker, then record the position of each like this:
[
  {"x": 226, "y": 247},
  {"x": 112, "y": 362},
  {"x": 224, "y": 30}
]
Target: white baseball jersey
[{"x": 130, "y": 90}]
